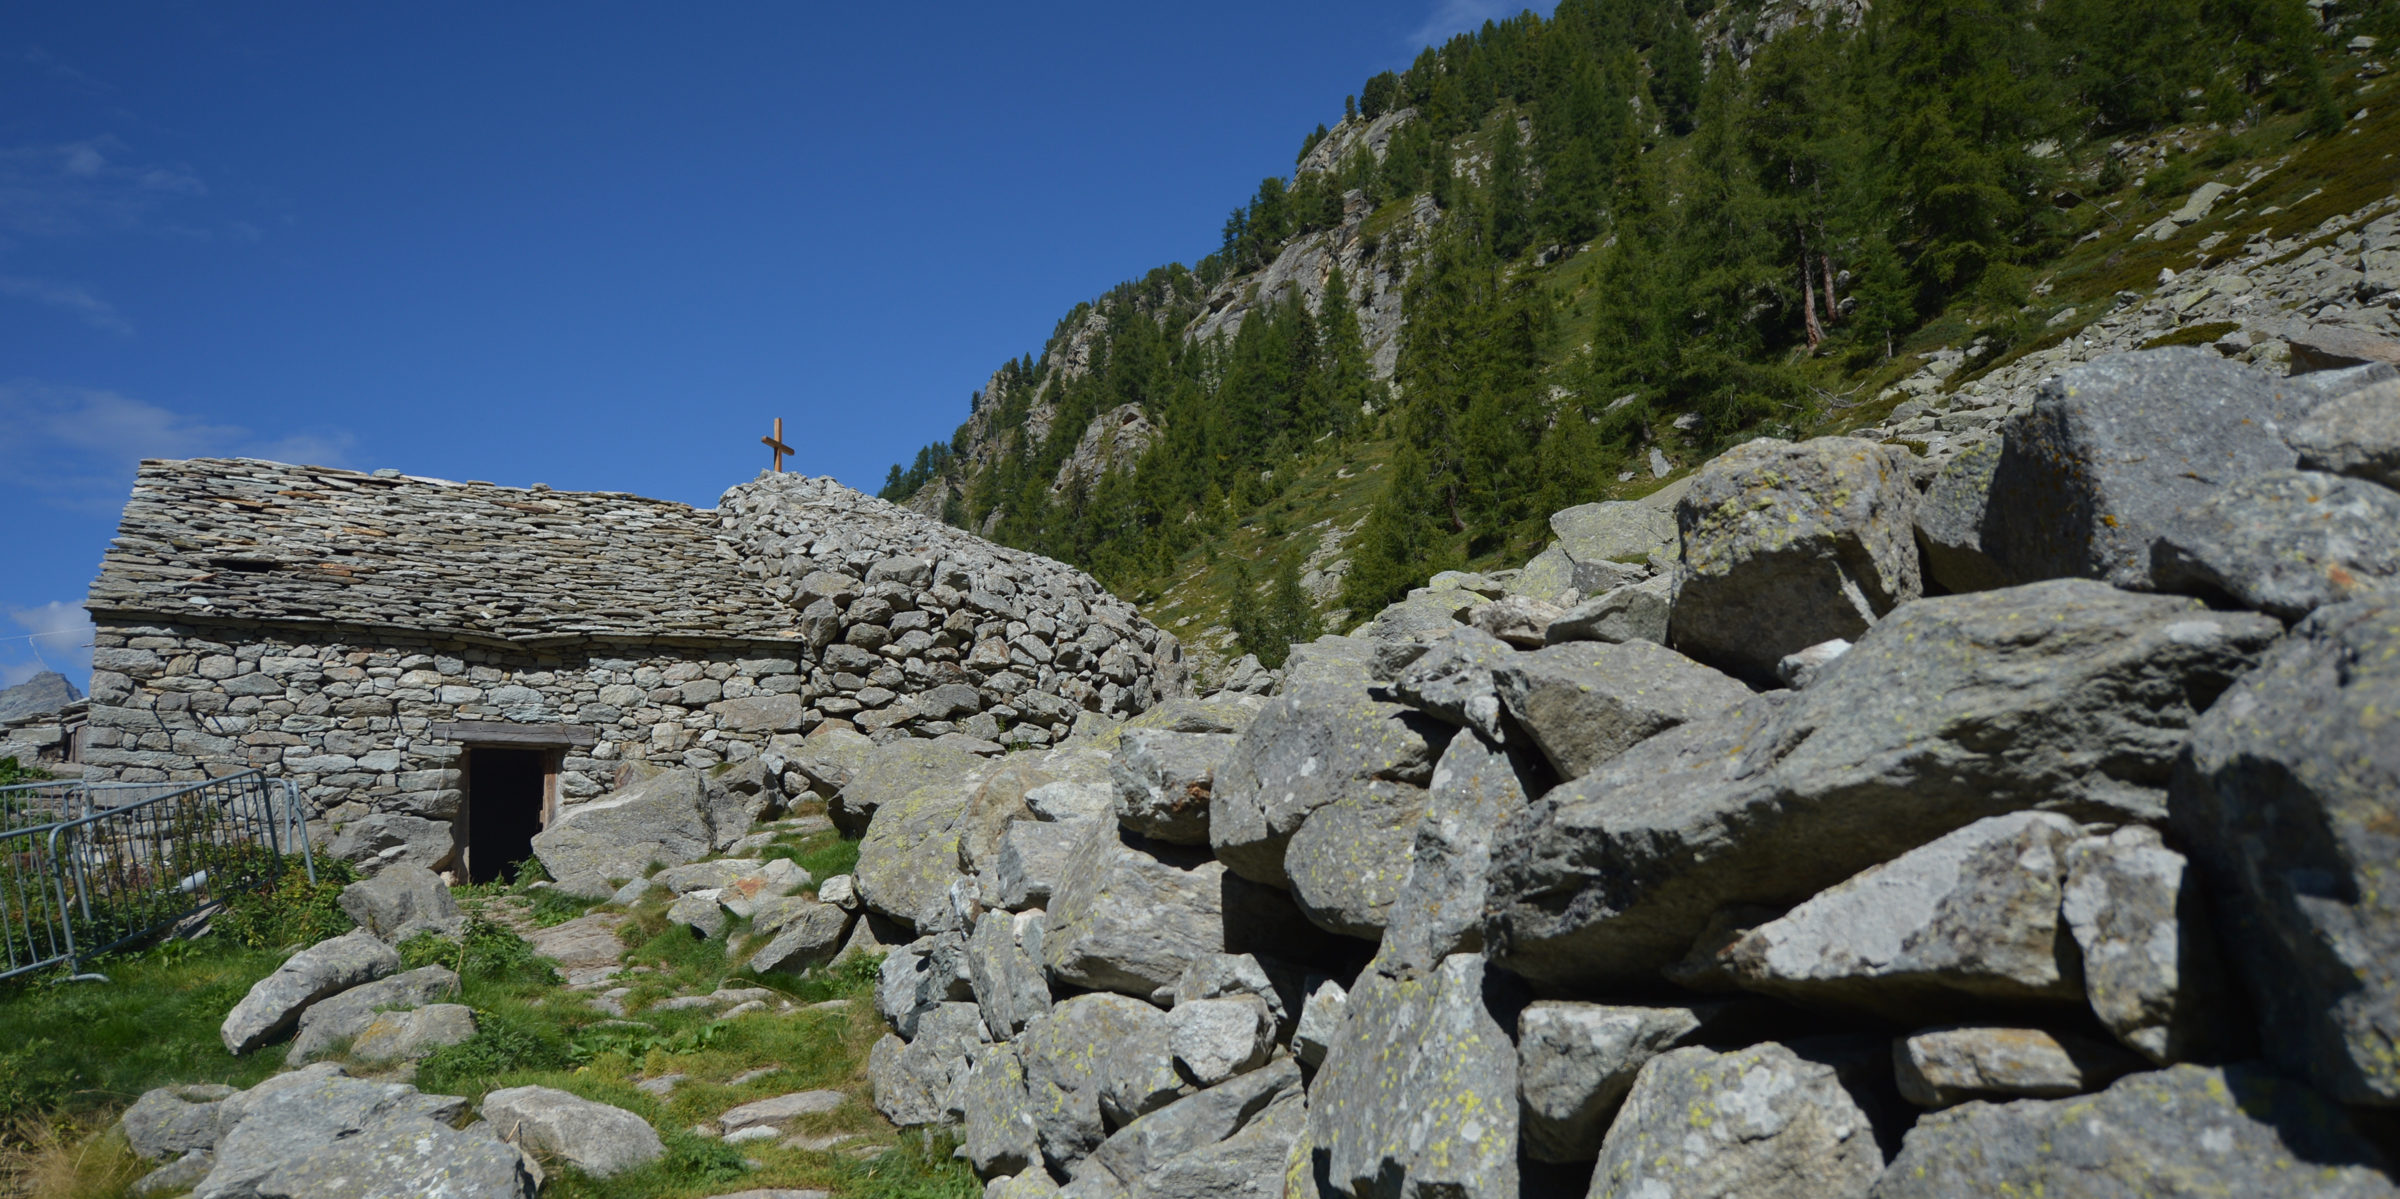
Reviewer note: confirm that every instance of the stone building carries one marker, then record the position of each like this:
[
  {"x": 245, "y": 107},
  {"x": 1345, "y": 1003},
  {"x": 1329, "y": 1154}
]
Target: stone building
[{"x": 444, "y": 668}]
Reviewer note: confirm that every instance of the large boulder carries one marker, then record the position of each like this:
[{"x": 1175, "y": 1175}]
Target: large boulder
[
  {"x": 1163, "y": 780},
  {"x": 2357, "y": 435},
  {"x": 1418, "y": 1094},
  {"x": 802, "y": 935},
  {"x": 1250, "y": 1164},
  {"x": 1588, "y": 701},
  {"x": 734, "y": 797},
  {"x": 825, "y": 761},
  {"x": 996, "y": 1116},
  {"x": 882, "y": 774},
  {"x": 315, "y": 1132},
  {"x": 169, "y": 1122},
  {"x": 1786, "y": 546},
  {"x": 909, "y": 857},
  {"x": 1944, "y": 1066},
  {"x": 1576, "y": 1061},
  {"x": 343, "y": 1017},
  {"x": 1348, "y": 860},
  {"x": 659, "y": 819},
  {"x": 1007, "y": 979},
  {"x": 2067, "y": 696},
  {"x": 587, "y": 942},
  {"x": 1225, "y": 712},
  {"x": 1635, "y": 612},
  {"x": 1030, "y": 862},
  {"x": 1768, "y": 1122},
  {"x": 917, "y": 1082},
  {"x": 2286, "y": 542},
  {"x": 2117, "y": 451},
  {"x": 1969, "y": 920},
  {"x": 402, "y": 901},
  {"x": 596, "y": 1138},
  {"x": 2330, "y": 348},
  {"x": 1950, "y": 523},
  {"x": 1318, "y": 743},
  {"x": 1217, "y": 1038},
  {"x": 2182, "y": 1132},
  {"x": 1620, "y": 532},
  {"x": 410, "y": 1035},
  {"x": 921, "y": 976},
  {"x": 381, "y": 840},
  {"x": 1439, "y": 909},
  {"x": 1131, "y": 916},
  {"x": 325, "y": 969},
  {"x": 1000, "y": 797},
  {"x": 2291, "y": 804},
  {"x": 1144, "y": 1156},
  {"x": 2150, "y": 963},
  {"x": 1454, "y": 680},
  {"x": 1095, "y": 1063}
]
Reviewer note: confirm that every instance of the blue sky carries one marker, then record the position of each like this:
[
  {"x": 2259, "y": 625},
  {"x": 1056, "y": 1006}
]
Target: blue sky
[{"x": 595, "y": 245}]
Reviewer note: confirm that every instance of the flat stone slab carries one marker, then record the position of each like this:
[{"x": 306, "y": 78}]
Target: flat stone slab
[
  {"x": 584, "y": 943},
  {"x": 781, "y": 1110}
]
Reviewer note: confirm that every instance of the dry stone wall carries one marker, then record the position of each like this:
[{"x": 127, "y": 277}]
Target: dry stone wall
[{"x": 349, "y": 631}]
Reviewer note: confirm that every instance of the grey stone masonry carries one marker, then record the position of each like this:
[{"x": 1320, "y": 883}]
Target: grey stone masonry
[{"x": 349, "y": 631}]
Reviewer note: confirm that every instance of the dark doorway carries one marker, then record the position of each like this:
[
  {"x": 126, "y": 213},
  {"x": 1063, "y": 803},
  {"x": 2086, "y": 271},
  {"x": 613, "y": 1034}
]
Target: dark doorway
[{"x": 505, "y": 793}]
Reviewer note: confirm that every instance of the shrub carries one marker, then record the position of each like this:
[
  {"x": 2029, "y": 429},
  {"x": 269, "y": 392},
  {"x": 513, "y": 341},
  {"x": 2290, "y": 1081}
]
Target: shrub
[
  {"x": 293, "y": 912},
  {"x": 483, "y": 952},
  {"x": 503, "y": 1044}
]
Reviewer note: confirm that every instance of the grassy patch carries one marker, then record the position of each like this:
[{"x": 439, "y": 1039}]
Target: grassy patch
[
  {"x": 2193, "y": 335},
  {"x": 823, "y": 855},
  {"x": 74, "y": 1048},
  {"x": 73, "y": 1055}
]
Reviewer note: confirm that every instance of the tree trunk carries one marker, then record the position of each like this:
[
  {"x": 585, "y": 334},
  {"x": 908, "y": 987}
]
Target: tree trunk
[{"x": 1833, "y": 311}]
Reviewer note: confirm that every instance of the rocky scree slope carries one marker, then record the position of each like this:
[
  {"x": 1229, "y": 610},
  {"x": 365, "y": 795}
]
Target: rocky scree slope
[{"x": 1743, "y": 843}]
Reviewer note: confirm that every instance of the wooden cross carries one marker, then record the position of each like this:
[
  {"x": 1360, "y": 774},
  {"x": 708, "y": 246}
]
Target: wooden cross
[{"x": 775, "y": 443}]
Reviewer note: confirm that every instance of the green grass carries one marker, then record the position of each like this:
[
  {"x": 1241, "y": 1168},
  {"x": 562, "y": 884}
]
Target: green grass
[
  {"x": 73, "y": 1055},
  {"x": 2193, "y": 335},
  {"x": 823, "y": 855},
  {"x": 79, "y": 1047}
]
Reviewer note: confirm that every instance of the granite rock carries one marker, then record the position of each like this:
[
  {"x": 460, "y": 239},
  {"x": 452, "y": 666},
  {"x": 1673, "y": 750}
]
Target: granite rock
[
  {"x": 1786, "y": 545},
  {"x": 596, "y": 1138},
  {"x": 1608, "y": 878},
  {"x": 1588, "y": 701},
  {"x": 1768, "y": 1122},
  {"x": 2290, "y": 802},
  {"x": 2187, "y": 1131},
  {"x": 1944, "y": 1066},
  {"x": 275, "y": 1003}
]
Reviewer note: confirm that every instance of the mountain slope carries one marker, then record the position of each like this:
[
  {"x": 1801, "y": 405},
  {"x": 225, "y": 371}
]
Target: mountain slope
[{"x": 1557, "y": 259}]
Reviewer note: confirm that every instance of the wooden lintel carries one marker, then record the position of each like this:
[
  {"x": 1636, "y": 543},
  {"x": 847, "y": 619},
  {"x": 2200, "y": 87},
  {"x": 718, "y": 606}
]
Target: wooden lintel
[{"x": 500, "y": 732}]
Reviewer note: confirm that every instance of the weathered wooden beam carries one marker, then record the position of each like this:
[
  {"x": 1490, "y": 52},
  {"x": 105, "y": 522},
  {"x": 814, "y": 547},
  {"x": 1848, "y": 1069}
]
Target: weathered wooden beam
[{"x": 500, "y": 732}]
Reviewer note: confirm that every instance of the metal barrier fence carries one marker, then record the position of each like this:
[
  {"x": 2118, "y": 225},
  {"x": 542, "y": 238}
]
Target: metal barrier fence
[{"x": 86, "y": 868}]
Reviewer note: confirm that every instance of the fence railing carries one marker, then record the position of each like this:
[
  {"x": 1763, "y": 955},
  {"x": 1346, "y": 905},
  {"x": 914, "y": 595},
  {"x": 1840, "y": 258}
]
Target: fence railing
[{"x": 86, "y": 868}]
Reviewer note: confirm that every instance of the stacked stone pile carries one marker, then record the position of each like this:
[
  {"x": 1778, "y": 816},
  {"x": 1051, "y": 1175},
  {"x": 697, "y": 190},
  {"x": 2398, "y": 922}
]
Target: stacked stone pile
[
  {"x": 981, "y": 639},
  {"x": 1815, "y": 833}
]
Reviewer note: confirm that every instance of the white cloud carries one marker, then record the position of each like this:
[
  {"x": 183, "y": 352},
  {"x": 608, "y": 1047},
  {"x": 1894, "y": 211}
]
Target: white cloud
[
  {"x": 69, "y": 298},
  {"x": 76, "y": 447},
  {"x": 57, "y": 636},
  {"x": 1452, "y": 17},
  {"x": 60, "y": 190}
]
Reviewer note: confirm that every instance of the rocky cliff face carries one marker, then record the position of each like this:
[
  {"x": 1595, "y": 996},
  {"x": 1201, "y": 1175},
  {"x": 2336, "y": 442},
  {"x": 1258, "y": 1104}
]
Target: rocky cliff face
[{"x": 1742, "y": 843}]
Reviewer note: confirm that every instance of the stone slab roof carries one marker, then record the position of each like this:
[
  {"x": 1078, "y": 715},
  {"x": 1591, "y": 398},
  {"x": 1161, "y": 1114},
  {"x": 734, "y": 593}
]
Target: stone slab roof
[{"x": 242, "y": 539}]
